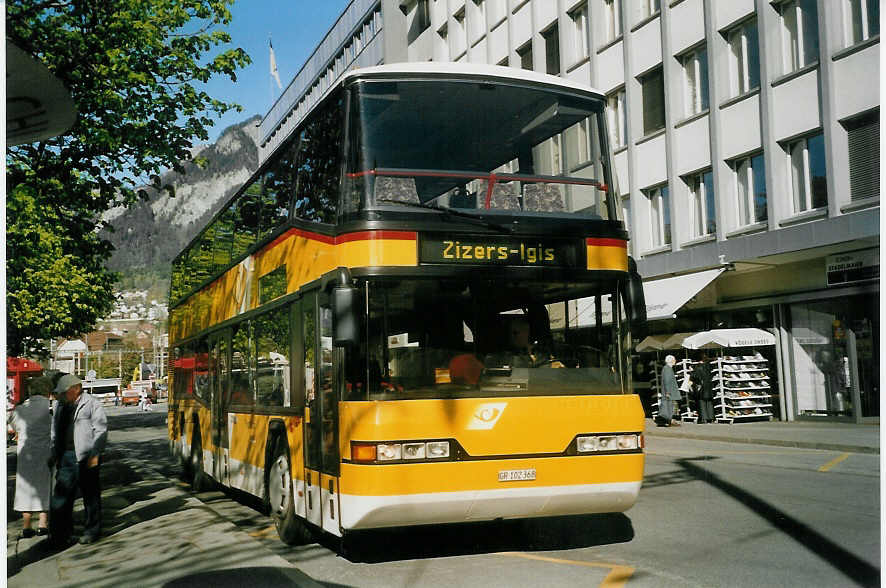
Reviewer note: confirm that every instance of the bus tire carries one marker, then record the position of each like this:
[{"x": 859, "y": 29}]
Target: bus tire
[
  {"x": 281, "y": 498},
  {"x": 199, "y": 481}
]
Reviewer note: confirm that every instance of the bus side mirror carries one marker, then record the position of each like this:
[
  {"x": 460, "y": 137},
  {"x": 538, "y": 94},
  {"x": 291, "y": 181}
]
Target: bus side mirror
[
  {"x": 636, "y": 301},
  {"x": 346, "y": 312}
]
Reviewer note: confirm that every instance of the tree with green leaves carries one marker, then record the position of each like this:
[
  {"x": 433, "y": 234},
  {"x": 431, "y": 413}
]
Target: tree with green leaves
[{"x": 134, "y": 69}]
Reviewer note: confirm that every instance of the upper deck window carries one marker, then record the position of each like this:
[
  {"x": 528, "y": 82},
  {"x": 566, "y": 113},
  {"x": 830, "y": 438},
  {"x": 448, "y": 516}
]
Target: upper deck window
[{"x": 471, "y": 145}]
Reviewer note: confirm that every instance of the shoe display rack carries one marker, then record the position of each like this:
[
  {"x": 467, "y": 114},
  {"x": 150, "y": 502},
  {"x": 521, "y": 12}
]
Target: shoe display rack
[
  {"x": 688, "y": 413},
  {"x": 742, "y": 388},
  {"x": 655, "y": 390}
]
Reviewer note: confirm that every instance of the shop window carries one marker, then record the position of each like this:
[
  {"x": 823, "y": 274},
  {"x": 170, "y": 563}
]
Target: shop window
[
  {"x": 695, "y": 81},
  {"x": 750, "y": 190},
  {"x": 579, "y": 18},
  {"x": 702, "y": 210},
  {"x": 552, "y": 50},
  {"x": 617, "y": 113},
  {"x": 799, "y": 19},
  {"x": 863, "y": 135},
  {"x": 612, "y": 16},
  {"x": 806, "y": 160},
  {"x": 744, "y": 58},
  {"x": 861, "y": 20},
  {"x": 525, "y": 54},
  {"x": 653, "y": 101},
  {"x": 659, "y": 216},
  {"x": 272, "y": 381}
]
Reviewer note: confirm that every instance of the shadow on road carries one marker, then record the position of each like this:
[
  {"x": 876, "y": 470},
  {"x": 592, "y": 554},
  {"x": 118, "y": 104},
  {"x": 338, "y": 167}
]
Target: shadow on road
[
  {"x": 546, "y": 534},
  {"x": 853, "y": 567}
]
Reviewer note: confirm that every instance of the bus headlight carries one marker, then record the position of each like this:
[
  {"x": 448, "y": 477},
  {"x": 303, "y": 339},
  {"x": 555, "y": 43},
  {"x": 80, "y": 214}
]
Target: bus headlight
[
  {"x": 413, "y": 451},
  {"x": 438, "y": 449},
  {"x": 600, "y": 443},
  {"x": 389, "y": 452}
]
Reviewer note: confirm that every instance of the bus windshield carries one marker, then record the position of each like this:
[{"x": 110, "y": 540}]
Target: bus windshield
[
  {"x": 453, "y": 338},
  {"x": 471, "y": 145}
]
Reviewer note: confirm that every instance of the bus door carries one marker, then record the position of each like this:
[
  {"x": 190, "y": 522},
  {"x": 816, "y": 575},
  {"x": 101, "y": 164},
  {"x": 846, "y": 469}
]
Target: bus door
[
  {"x": 321, "y": 415},
  {"x": 220, "y": 349}
]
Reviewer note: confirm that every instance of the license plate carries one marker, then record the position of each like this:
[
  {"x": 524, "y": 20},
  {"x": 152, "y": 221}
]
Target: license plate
[{"x": 516, "y": 475}]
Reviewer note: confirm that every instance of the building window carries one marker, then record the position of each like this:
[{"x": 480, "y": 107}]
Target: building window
[
  {"x": 525, "y": 53},
  {"x": 702, "y": 210},
  {"x": 616, "y": 110},
  {"x": 863, "y": 135},
  {"x": 651, "y": 7},
  {"x": 579, "y": 18},
  {"x": 552, "y": 50},
  {"x": 695, "y": 81},
  {"x": 653, "y": 101},
  {"x": 861, "y": 20},
  {"x": 806, "y": 160},
  {"x": 799, "y": 33},
  {"x": 659, "y": 216},
  {"x": 750, "y": 190},
  {"x": 744, "y": 59},
  {"x": 612, "y": 9},
  {"x": 419, "y": 18}
]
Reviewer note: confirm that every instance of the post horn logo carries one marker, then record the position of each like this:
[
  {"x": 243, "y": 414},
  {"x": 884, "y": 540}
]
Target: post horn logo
[{"x": 486, "y": 415}]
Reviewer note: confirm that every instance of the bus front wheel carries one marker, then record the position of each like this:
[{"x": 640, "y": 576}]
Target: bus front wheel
[{"x": 281, "y": 498}]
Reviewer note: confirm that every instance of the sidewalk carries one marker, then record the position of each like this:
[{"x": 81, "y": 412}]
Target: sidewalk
[
  {"x": 846, "y": 437},
  {"x": 155, "y": 533}
]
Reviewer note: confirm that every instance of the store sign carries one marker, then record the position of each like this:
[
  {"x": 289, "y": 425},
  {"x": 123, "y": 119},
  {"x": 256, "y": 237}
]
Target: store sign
[
  {"x": 501, "y": 251},
  {"x": 855, "y": 266}
]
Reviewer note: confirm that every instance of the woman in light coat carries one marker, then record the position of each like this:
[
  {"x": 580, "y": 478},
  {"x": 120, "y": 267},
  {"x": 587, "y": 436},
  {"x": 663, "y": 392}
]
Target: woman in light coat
[
  {"x": 670, "y": 393},
  {"x": 32, "y": 422}
]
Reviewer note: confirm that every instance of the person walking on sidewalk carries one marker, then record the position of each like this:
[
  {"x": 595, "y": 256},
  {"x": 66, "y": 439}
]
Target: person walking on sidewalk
[
  {"x": 670, "y": 393},
  {"x": 79, "y": 435},
  {"x": 31, "y": 422}
]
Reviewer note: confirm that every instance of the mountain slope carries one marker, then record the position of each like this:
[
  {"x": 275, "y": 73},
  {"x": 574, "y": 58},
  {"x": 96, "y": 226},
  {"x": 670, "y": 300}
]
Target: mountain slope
[{"x": 148, "y": 235}]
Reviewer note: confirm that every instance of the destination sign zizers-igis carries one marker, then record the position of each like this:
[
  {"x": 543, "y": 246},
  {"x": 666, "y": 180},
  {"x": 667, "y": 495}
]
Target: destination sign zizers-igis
[{"x": 532, "y": 252}]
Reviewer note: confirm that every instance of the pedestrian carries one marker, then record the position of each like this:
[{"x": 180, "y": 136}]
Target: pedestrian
[
  {"x": 705, "y": 390},
  {"x": 79, "y": 434},
  {"x": 670, "y": 394},
  {"x": 32, "y": 422}
]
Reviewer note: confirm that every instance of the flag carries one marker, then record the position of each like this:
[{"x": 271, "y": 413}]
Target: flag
[{"x": 274, "y": 73}]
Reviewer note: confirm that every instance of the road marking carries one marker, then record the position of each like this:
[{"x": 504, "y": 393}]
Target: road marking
[
  {"x": 833, "y": 462},
  {"x": 617, "y": 577}
]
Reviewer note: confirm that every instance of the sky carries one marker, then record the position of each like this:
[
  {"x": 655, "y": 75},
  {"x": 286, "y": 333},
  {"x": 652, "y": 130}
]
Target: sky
[{"x": 295, "y": 27}]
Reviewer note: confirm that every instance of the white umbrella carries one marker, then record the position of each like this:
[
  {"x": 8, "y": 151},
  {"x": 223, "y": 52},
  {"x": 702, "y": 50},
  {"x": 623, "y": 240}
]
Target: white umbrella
[
  {"x": 719, "y": 338},
  {"x": 652, "y": 343}
]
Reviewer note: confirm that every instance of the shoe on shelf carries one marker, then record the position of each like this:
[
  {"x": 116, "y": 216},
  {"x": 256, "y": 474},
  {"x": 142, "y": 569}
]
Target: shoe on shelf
[
  {"x": 87, "y": 539},
  {"x": 41, "y": 531},
  {"x": 27, "y": 533}
]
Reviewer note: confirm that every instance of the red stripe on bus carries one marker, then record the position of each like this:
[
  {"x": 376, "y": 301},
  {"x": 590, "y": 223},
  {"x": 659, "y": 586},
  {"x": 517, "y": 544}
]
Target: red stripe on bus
[
  {"x": 377, "y": 235},
  {"x": 602, "y": 242}
]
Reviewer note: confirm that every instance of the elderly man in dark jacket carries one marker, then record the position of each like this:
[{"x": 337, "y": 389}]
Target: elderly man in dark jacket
[
  {"x": 670, "y": 393},
  {"x": 79, "y": 435}
]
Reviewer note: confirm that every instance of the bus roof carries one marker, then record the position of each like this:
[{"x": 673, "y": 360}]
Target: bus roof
[{"x": 449, "y": 69}]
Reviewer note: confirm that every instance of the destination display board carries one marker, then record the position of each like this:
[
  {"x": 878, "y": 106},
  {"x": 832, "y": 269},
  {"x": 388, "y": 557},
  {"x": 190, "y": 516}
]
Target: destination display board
[{"x": 503, "y": 250}]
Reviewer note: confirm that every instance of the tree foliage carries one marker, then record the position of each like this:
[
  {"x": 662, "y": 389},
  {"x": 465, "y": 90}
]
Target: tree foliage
[{"x": 134, "y": 69}]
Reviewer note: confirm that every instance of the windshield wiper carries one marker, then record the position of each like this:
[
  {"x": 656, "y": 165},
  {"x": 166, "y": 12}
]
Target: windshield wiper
[{"x": 451, "y": 212}]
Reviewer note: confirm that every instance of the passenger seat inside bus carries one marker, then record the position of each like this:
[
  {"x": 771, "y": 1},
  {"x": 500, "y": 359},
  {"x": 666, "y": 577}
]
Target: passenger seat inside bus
[{"x": 396, "y": 189}]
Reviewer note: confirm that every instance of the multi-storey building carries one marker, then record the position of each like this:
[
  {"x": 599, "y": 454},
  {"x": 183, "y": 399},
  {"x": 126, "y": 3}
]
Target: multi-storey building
[{"x": 746, "y": 145}]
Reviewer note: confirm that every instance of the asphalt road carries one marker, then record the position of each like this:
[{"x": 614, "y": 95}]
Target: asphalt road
[{"x": 709, "y": 514}]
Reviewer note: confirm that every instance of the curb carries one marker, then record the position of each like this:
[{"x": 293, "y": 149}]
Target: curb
[{"x": 774, "y": 442}]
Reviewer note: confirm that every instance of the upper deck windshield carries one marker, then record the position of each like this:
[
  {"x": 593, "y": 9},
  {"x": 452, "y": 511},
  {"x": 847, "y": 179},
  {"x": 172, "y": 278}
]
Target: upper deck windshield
[
  {"x": 456, "y": 338},
  {"x": 485, "y": 146}
]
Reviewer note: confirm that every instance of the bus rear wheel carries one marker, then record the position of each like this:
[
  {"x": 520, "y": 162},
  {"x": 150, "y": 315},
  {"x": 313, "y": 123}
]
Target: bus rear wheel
[{"x": 281, "y": 499}]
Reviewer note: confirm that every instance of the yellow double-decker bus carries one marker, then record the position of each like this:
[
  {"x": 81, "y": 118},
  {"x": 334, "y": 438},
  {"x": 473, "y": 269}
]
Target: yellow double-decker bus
[{"x": 417, "y": 311}]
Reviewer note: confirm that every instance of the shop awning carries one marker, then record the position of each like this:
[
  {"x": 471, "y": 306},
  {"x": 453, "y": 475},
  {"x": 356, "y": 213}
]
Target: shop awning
[
  {"x": 662, "y": 342},
  {"x": 718, "y": 338},
  {"x": 666, "y": 296}
]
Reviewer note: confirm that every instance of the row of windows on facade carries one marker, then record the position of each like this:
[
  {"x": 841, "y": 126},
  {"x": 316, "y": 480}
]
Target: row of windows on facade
[
  {"x": 808, "y": 188},
  {"x": 301, "y": 180},
  {"x": 800, "y": 45}
]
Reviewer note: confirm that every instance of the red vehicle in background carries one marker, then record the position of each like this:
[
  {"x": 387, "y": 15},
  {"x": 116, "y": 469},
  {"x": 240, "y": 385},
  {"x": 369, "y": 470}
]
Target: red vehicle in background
[{"x": 18, "y": 372}]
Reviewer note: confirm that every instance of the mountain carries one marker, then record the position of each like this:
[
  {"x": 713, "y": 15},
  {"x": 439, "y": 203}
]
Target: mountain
[{"x": 149, "y": 234}]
